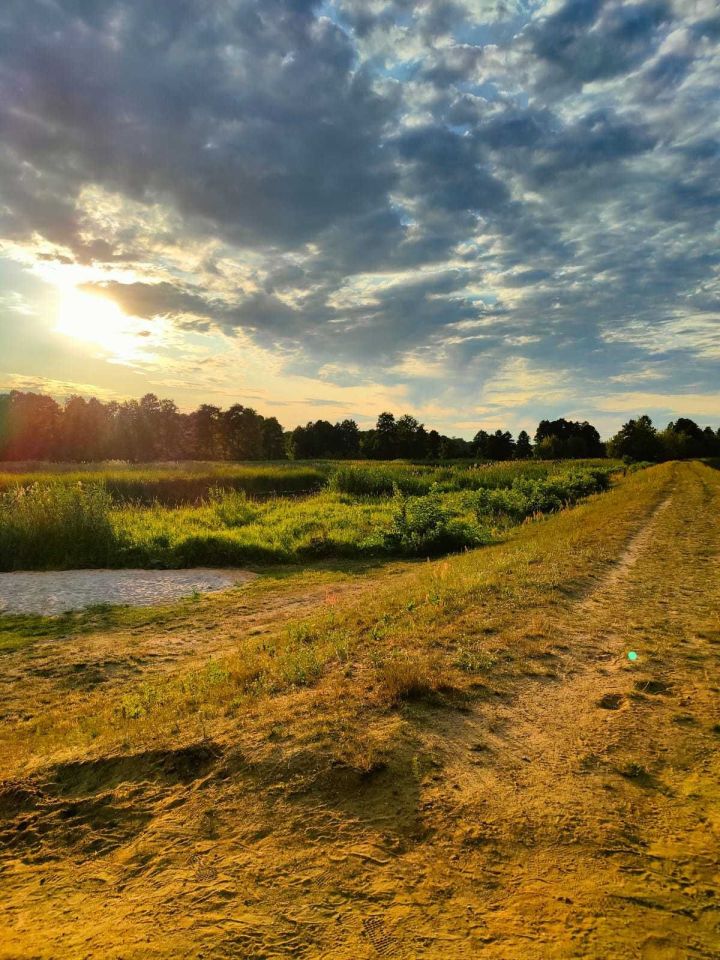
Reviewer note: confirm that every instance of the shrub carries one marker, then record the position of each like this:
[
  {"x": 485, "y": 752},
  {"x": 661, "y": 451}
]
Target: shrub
[
  {"x": 56, "y": 525},
  {"x": 422, "y": 527},
  {"x": 379, "y": 481},
  {"x": 528, "y": 496}
]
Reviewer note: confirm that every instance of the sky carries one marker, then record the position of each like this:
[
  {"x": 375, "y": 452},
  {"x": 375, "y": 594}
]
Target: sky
[{"x": 482, "y": 212}]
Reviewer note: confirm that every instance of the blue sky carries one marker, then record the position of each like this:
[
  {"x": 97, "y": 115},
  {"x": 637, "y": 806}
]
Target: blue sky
[{"x": 480, "y": 212}]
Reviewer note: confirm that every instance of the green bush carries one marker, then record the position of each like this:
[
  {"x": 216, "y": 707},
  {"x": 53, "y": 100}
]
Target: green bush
[
  {"x": 529, "y": 496},
  {"x": 56, "y": 525},
  {"x": 422, "y": 527},
  {"x": 380, "y": 481}
]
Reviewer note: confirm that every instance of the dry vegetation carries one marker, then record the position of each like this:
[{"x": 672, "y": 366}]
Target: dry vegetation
[{"x": 439, "y": 759}]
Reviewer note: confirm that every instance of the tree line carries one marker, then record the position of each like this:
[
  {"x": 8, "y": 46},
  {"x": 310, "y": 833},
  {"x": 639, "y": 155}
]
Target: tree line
[
  {"x": 682, "y": 439},
  {"x": 36, "y": 427}
]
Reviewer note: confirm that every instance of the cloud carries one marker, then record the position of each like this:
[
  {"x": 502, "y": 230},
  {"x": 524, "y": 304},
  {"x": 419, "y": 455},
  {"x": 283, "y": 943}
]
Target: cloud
[
  {"x": 151, "y": 299},
  {"x": 60, "y": 389},
  {"x": 705, "y": 405},
  {"x": 584, "y": 41},
  {"x": 408, "y": 194}
]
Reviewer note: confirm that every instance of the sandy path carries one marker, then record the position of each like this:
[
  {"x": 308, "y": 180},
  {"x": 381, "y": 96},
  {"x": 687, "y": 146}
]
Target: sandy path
[
  {"x": 53, "y": 592},
  {"x": 586, "y": 810}
]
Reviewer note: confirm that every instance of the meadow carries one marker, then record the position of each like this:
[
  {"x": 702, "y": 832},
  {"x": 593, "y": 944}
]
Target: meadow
[
  {"x": 460, "y": 751},
  {"x": 172, "y": 483},
  {"x": 232, "y": 515}
]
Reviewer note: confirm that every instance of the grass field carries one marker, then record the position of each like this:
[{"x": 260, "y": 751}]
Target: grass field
[
  {"x": 364, "y": 510},
  {"x": 173, "y": 484},
  {"x": 452, "y": 758}
]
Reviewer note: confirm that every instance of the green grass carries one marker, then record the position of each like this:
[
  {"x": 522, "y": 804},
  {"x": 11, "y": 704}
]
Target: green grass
[
  {"x": 18, "y": 631},
  {"x": 380, "y": 479},
  {"x": 188, "y": 483},
  {"x": 60, "y": 525},
  {"x": 56, "y": 525},
  {"x": 175, "y": 484}
]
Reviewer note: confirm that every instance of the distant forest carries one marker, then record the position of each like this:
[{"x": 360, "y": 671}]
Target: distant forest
[{"x": 36, "y": 427}]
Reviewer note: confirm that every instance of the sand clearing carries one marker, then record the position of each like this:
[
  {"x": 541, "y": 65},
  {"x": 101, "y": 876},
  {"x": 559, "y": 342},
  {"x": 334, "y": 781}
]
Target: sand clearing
[{"x": 53, "y": 592}]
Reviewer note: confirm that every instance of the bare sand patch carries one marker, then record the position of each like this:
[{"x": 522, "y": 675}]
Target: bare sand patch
[{"x": 57, "y": 591}]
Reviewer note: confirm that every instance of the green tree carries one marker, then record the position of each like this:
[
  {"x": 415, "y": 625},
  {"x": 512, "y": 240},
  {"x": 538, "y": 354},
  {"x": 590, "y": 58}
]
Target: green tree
[
  {"x": 273, "y": 440},
  {"x": 567, "y": 439},
  {"x": 523, "y": 446},
  {"x": 637, "y": 440}
]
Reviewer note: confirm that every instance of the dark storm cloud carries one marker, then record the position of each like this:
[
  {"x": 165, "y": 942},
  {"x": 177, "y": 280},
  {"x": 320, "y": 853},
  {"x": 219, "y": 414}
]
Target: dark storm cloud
[
  {"x": 587, "y": 40},
  {"x": 249, "y": 116},
  {"x": 447, "y": 169},
  {"x": 381, "y": 178}
]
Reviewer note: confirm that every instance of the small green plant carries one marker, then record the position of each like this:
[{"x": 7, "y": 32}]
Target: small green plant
[
  {"x": 473, "y": 661},
  {"x": 232, "y": 507},
  {"x": 299, "y": 667}
]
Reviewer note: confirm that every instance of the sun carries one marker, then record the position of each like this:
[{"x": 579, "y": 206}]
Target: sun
[{"x": 97, "y": 321}]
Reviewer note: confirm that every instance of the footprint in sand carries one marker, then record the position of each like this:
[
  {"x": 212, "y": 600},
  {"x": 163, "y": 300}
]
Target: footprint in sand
[{"x": 611, "y": 701}]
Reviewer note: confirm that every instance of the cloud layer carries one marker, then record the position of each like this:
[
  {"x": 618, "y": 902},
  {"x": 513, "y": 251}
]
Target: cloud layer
[{"x": 447, "y": 195}]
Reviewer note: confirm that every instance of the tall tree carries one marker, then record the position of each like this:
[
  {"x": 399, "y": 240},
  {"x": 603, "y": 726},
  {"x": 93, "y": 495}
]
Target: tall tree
[
  {"x": 637, "y": 440},
  {"x": 29, "y": 426},
  {"x": 494, "y": 446},
  {"x": 273, "y": 440},
  {"x": 349, "y": 438},
  {"x": 242, "y": 432},
  {"x": 563, "y": 439},
  {"x": 207, "y": 434},
  {"x": 523, "y": 446}
]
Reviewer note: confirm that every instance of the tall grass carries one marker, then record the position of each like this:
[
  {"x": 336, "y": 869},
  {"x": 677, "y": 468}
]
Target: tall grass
[
  {"x": 178, "y": 484},
  {"x": 182, "y": 484},
  {"x": 56, "y": 525},
  {"x": 380, "y": 479},
  {"x": 74, "y": 524}
]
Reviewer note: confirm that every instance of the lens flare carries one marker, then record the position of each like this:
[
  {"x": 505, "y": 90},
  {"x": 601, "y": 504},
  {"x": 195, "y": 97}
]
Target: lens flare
[{"x": 101, "y": 323}]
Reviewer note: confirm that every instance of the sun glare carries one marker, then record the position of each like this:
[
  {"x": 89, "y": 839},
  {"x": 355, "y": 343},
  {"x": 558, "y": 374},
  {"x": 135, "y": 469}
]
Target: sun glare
[{"x": 98, "y": 321}]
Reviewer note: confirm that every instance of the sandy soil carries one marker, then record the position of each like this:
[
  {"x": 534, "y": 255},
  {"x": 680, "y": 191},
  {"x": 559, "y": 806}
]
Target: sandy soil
[
  {"x": 31, "y": 680},
  {"x": 54, "y": 592},
  {"x": 572, "y": 817}
]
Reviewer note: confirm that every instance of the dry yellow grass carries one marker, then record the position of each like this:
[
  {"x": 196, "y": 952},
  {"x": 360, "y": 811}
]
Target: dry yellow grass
[{"x": 425, "y": 766}]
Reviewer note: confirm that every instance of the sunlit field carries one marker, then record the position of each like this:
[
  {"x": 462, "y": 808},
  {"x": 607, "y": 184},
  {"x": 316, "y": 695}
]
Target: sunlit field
[
  {"x": 532, "y": 720},
  {"x": 360, "y": 480},
  {"x": 215, "y": 514}
]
